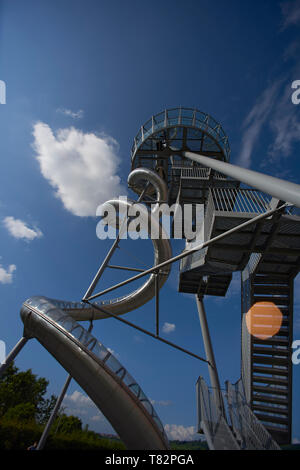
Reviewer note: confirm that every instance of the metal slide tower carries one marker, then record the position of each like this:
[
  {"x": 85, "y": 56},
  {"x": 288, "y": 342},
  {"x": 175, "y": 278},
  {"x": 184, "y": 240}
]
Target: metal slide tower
[
  {"x": 267, "y": 252},
  {"x": 248, "y": 224}
]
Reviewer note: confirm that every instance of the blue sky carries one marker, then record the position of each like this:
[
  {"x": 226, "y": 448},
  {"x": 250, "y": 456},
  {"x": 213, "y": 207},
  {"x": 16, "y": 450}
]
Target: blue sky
[{"x": 81, "y": 78}]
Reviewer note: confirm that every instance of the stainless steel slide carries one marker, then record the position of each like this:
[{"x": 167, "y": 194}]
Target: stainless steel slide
[
  {"x": 161, "y": 247},
  {"x": 98, "y": 372}
]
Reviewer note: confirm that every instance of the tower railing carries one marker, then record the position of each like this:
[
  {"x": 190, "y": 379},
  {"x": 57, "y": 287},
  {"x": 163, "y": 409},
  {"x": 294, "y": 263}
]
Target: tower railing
[
  {"x": 212, "y": 421},
  {"x": 185, "y": 117},
  {"x": 247, "y": 427},
  {"x": 240, "y": 200},
  {"x": 238, "y": 428}
]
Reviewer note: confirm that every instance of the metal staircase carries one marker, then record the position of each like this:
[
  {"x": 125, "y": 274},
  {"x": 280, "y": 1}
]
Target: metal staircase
[
  {"x": 269, "y": 257},
  {"x": 235, "y": 426},
  {"x": 190, "y": 150},
  {"x": 267, "y": 371}
]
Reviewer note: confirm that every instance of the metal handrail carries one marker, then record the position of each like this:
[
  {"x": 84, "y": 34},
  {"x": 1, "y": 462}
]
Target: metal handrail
[
  {"x": 185, "y": 117},
  {"x": 49, "y": 310},
  {"x": 240, "y": 200},
  {"x": 247, "y": 426},
  {"x": 212, "y": 421}
]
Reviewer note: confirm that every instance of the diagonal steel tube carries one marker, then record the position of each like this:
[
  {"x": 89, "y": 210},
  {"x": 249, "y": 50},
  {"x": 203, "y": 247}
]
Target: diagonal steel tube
[
  {"x": 14, "y": 352},
  {"x": 55, "y": 410},
  {"x": 122, "y": 320},
  {"x": 124, "y": 268},
  {"x": 212, "y": 368},
  {"x": 188, "y": 252},
  {"x": 276, "y": 187},
  {"x": 112, "y": 250}
]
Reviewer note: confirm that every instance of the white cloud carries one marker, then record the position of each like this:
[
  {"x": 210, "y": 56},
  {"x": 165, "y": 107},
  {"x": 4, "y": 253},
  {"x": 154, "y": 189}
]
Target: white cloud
[
  {"x": 79, "y": 404},
  {"x": 73, "y": 114},
  {"x": 82, "y": 167},
  {"x": 177, "y": 432},
  {"x": 254, "y": 122},
  {"x": 6, "y": 275},
  {"x": 291, "y": 13},
  {"x": 275, "y": 110},
  {"x": 296, "y": 440},
  {"x": 292, "y": 51},
  {"x": 285, "y": 125},
  {"x": 18, "y": 229},
  {"x": 161, "y": 402},
  {"x": 97, "y": 418},
  {"x": 168, "y": 327},
  {"x": 79, "y": 399},
  {"x": 138, "y": 339}
]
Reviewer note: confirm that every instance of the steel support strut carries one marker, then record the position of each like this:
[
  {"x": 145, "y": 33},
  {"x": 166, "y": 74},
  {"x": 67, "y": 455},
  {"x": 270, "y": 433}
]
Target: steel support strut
[
  {"x": 212, "y": 368},
  {"x": 55, "y": 410},
  {"x": 276, "y": 187},
  {"x": 122, "y": 320},
  {"x": 13, "y": 353},
  {"x": 112, "y": 250},
  {"x": 156, "y": 304},
  {"x": 188, "y": 252}
]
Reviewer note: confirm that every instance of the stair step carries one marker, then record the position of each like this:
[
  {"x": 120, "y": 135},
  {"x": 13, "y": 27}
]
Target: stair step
[
  {"x": 271, "y": 370},
  {"x": 278, "y": 361},
  {"x": 270, "y": 409},
  {"x": 270, "y": 390},
  {"x": 282, "y": 332},
  {"x": 278, "y": 300},
  {"x": 271, "y": 351},
  {"x": 272, "y": 289},
  {"x": 269, "y": 380},
  {"x": 272, "y": 341},
  {"x": 271, "y": 419},
  {"x": 261, "y": 329},
  {"x": 276, "y": 429},
  {"x": 271, "y": 279},
  {"x": 284, "y": 310},
  {"x": 271, "y": 275},
  {"x": 278, "y": 401},
  {"x": 284, "y": 272}
]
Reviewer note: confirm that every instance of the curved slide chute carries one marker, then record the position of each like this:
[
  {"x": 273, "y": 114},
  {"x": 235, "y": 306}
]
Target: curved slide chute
[
  {"x": 98, "y": 372},
  {"x": 161, "y": 247}
]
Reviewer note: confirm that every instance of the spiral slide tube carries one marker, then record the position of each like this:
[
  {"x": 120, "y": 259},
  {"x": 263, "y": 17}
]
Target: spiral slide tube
[{"x": 96, "y": 370}]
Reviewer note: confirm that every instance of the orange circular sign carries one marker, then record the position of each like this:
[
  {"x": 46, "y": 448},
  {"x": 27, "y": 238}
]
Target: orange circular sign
[{"x": 263, "y": 320}]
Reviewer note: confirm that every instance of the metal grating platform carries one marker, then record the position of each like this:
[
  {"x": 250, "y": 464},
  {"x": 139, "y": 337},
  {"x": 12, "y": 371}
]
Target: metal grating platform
[{"x": 278, "y": 237}]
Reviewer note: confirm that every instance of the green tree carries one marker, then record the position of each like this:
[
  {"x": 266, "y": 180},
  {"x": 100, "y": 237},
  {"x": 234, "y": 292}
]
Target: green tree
[
  {"x": 18, "y": 388},
  {"x": 67, "y": 424},
  {"x": 24, "y": 412},
  {"x": 44, "y": 409}
]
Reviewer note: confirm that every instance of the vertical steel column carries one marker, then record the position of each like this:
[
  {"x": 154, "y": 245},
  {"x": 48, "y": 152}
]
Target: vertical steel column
[
  {"x": 13, "y": 353},
  {"x": 156, "y": 304},
  {"x": 53, "y": 414},
  {"x": 212, "y": 368}
]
